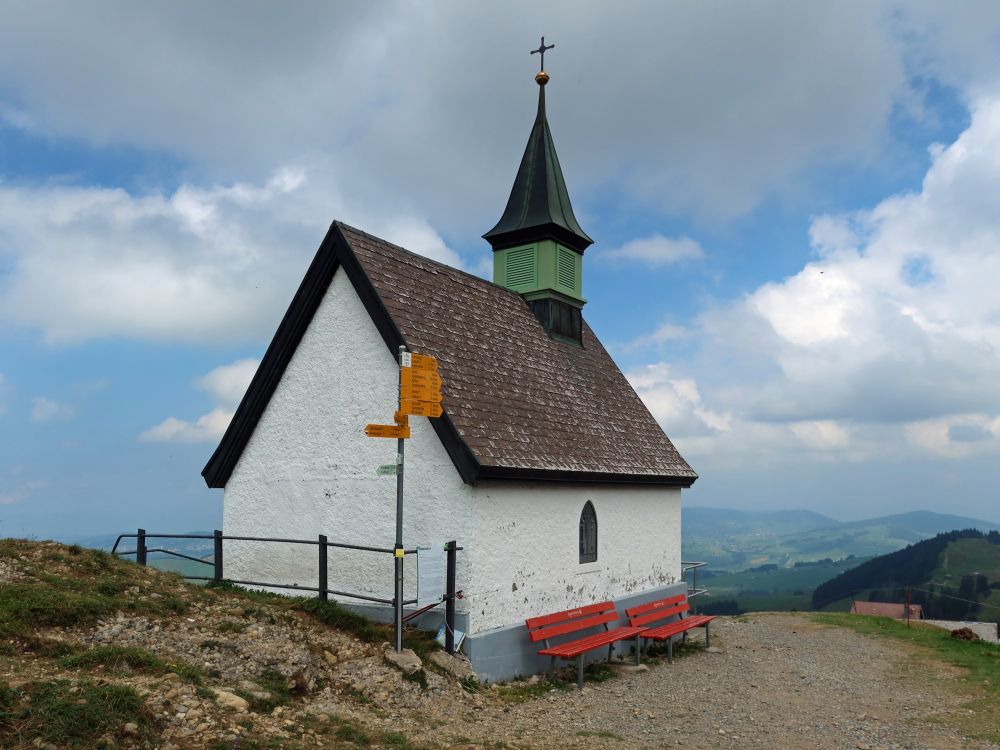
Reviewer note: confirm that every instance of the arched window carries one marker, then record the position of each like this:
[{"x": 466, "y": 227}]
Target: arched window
[{"x": 588, "y": 534}]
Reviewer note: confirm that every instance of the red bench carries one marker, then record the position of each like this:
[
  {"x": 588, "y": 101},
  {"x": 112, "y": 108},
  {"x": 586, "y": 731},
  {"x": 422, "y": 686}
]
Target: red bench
[
  {"x": 574, "y": 621},
  {"x": 650, "y": 612}
]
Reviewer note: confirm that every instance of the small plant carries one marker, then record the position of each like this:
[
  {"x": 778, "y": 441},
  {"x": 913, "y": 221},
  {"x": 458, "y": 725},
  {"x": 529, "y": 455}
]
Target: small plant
[
  {"x": 350, "y": 731},
  {"x": 49, "y": 710},
  {"x": 418, "y": 677}
]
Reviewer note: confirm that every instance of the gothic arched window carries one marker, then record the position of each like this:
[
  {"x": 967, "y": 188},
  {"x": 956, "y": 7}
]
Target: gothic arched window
[{"x": 588, "y": 534}]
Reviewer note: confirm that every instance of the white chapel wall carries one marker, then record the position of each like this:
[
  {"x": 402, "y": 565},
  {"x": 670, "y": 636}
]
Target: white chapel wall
[
  {"x": 526, "y": 548},
  {"x": 309, "y": 468}
]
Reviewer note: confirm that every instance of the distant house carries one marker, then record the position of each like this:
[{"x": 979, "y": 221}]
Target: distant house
[{"x": 887, "y": 609}]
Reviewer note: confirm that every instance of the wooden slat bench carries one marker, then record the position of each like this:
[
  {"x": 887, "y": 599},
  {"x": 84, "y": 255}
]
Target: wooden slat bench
[
  {"x": 574, "y": 621},
  {"x": 651, "y": 612}
]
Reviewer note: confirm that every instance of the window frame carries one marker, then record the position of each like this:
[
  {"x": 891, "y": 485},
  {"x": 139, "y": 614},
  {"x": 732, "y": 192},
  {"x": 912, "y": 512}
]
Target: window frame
[{"x": 588, "y": 534}]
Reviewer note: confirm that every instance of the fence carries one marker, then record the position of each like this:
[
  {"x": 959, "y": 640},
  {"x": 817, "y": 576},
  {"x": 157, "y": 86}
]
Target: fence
[
  {"x": 692, "y": 589},
  {"x": 142, "y": 551}
]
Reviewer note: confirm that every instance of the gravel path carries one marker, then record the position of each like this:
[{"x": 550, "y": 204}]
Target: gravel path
[{"x": 771, "y": 681}]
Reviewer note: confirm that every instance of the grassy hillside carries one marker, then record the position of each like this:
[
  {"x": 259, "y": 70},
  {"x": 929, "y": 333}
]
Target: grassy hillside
[
  {"x": 736, "y": 540},
  {"x": 949, "y": 575}
]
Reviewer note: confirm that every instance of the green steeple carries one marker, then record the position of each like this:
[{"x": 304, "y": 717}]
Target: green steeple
[
  {"x": 538, "y": 244},
  {"x": 539, "y": 205}
]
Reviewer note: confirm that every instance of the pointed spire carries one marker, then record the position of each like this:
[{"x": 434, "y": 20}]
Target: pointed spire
[{"x": 539, "y": 205}]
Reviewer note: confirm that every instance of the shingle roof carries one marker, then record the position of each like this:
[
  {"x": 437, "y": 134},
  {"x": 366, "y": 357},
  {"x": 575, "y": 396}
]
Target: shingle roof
[{"x": 518, "y": 404}]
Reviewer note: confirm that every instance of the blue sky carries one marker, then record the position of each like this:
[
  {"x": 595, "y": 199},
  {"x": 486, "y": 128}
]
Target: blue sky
[{"x": 794, "y": 208}]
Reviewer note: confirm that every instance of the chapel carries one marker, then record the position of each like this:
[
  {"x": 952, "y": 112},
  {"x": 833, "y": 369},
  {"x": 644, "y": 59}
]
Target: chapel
[{"x": 545, "y": 466}]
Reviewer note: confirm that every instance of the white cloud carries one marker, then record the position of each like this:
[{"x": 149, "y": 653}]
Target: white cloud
[
  {"x": 736, "y": 101},
  {"x": 882, "y": 346},
  {"x": 22, "y": 492},
  {"x": 205, "y": 429},
  {"x": 656, "y": 250},
  {"x": 201, "y": 264},
  {"x": 227, "y": 384},
  {"x": 46, "y": 410}
]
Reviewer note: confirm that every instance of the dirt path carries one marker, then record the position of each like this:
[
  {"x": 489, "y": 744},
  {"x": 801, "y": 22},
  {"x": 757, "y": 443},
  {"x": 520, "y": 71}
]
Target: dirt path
[{"x": 776, "y": 681}]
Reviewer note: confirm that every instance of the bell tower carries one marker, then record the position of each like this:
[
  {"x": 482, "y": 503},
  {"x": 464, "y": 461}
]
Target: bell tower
[{"x": 538, "y": 244}]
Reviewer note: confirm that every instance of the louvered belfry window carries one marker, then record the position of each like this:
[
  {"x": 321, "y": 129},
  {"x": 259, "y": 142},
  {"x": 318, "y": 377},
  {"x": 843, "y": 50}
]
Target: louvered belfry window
[{"x": 588, "y": 534}]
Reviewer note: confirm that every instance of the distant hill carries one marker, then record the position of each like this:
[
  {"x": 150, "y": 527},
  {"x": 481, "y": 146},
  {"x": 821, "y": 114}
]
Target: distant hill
[
  {"x": 736, "y": 540},
  {"x": 954, "y": 576}
]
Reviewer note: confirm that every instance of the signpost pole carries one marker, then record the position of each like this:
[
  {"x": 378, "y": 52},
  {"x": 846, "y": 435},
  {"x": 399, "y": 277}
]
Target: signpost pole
[{"x": 399, "y": 523}]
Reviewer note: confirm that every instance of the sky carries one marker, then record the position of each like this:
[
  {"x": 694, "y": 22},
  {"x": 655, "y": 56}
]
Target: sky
[{"x": 795, "y": 208}]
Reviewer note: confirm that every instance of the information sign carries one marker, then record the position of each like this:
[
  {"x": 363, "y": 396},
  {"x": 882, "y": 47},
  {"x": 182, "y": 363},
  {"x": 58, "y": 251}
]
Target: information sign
[
  {"x": 423, "y": 362},
  {"x": 422, "y": 408},
  {"x": 387, "y": 431},
  {"x": 420, "y": 378},
  {"x": 411, "y": 393}
]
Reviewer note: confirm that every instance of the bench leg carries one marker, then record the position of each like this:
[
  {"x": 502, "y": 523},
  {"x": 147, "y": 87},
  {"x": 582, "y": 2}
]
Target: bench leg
[
  {"x": 611, "y": 647},
  {"x": 708, "y": 636},
  {"x": 579, "y": 672},
  {"x": 638, "y": 653},
  {"x": 670, "y": 650},
  {"x": 552, "y": 668}
]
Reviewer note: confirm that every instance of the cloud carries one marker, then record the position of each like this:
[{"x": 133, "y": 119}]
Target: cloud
[
  {"x": 884, "y": 345},
  {"x": 227, "y": 384},
  {"x": 22, "y": 492},
  {"x": 737, "y": 102},
  {"x": 205, "y": 429},
  {"x": 656, "y": 250},
  {"x": 197, "y": 265},
  {"x": 46, "y": 410}
]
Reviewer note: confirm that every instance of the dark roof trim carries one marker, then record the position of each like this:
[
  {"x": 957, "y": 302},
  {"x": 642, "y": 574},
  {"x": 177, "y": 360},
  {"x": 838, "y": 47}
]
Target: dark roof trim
[
  {"x": 333, "y": 253},
  {"x": 580, "y": 477}
]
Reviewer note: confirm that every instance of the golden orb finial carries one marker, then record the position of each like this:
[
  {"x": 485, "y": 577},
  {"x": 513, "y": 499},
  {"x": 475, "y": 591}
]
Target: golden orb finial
[{"x": 541, "y": 78}]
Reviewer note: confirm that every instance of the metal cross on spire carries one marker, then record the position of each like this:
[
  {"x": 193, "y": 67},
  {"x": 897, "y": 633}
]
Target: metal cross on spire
[{"x": 541, "y": 51}]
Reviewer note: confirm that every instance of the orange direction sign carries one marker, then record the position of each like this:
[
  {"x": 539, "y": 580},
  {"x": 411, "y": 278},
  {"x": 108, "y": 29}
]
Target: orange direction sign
[
  {"x": 408, "y": 393},
  {"x": 423, "y": 362},
  {"x": 399, "y": 418},
  {"x": 420, "y": 378},
  {"x": 387, "y": 431},
  {"x": 422, "y": 408}
]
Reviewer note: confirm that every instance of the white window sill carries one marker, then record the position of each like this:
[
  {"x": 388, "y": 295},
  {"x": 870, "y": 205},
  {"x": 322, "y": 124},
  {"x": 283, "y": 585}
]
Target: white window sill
[{"x": 588, "y": 568}]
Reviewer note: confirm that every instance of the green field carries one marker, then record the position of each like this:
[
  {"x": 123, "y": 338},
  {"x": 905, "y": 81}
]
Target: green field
[
  {"x": 784, "y": 588},
  {"x": 965, "y": 556}
]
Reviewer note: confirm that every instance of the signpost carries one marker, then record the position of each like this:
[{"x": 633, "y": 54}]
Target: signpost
[{"x": 419, "y": 395}]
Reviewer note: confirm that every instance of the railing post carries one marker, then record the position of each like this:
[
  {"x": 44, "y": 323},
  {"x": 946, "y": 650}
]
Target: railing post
[
  {"x": 140, "y": 547},
  {"x": 694, "y": 585},
  {"x": 449, "y": 606},
  {"x": 217, "y": 544},
  {"x": 323, "y": 596}
]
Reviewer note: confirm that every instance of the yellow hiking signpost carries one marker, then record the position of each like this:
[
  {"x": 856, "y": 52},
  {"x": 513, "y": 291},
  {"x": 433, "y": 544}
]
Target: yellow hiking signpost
[{"x": 419, "y": 395}]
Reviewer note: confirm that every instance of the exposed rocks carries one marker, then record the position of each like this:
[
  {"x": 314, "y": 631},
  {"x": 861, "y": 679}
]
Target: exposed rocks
[
  {"x": 405, "y": 661},
  {"x": 230, "y": 700}
]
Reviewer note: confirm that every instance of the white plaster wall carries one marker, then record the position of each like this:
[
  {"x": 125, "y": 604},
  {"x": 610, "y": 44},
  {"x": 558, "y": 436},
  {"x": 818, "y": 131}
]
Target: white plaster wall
[
  {"x": 525, "y": 548},
  {"x": 309, "y": 468}
]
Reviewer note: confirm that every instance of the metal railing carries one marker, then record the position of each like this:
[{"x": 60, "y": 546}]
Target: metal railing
[
  {"x": 322, "y": 543},
  {"x": 692, "y": 589}
]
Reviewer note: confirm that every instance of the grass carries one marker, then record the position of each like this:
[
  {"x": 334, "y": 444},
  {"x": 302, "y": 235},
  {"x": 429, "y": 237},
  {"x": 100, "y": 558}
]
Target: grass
[
  {"x": 68, "y": 586},
  {"x": 980, "y": 662},
  {"x": 75, "y": 716},
  {"x": 125, "y": 659}
]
